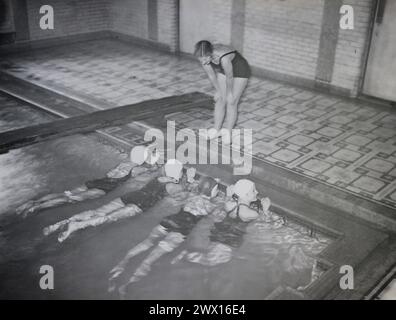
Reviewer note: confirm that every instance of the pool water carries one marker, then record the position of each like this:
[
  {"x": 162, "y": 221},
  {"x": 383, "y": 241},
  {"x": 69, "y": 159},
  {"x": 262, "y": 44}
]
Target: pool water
[
  {"x": 267, "y": 259},
  {"x": 15, "y": 114}
]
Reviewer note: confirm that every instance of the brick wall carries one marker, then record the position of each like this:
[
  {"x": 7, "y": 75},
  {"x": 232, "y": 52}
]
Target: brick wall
[
  {"x": 129, "y": 17},
  {"x": 221, "y": 16},
  {"x": 351, "y": 46},
  {"x": 283, "y": 36},
  {"x": 168, "y": 25},
  {"x": 282, "y": 39},
  {"x": 71, "y": 17}
]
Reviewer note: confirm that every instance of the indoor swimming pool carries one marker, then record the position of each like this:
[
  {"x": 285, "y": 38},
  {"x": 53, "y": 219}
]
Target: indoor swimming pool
[{"x": 271, "y": 256}]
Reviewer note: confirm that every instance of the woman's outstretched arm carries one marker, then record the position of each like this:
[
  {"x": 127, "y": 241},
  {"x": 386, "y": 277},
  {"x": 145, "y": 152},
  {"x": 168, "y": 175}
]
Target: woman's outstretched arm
[{"x": 212, "y": 76}]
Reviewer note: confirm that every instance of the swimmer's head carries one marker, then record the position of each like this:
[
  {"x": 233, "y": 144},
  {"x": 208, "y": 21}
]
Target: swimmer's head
[
  {"x": 245, "y": 190},
  {"x": 174, "y": 169},
  {"x": 208, "y": 186},
  {"x": 138, "y": 155},
  {"x": 203, "y": 51}
]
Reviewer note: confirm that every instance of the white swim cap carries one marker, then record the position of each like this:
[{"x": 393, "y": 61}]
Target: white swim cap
[
  {"x": 138, "y": 155},
  {"x": 243, "y": 187},
  {"x": 173, "y": 169}
]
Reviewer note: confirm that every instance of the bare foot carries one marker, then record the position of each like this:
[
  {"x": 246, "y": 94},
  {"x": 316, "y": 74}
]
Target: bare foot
[
  {"x": 116, "y": 271},
  {"x": 24, "y": 207}
]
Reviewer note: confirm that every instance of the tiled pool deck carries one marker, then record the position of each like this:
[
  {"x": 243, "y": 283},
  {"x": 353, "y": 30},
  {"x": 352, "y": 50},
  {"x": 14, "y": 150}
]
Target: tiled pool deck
[{"x": 347, "y": 144}]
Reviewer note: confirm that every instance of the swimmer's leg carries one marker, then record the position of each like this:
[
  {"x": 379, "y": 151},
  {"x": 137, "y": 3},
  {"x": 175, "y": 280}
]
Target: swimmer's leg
[
  {"x": 218, "y": 253},
  {"x": 170, "y": 243},
  {"x": 57, "y": 199},
  {"x": 78, "y": 195},
  {"x": 156, "y": 233},
  {"x": 84, "y": 216},
  {"x": 101, "y": 216},
  {"x": 49, "y": 201},
  {"x": 33, "y": 205}
]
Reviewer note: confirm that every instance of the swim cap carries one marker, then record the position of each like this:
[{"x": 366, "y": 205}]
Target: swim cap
[
  {"x": 206, "y": 185},
  {"x": 243, "y": 187},
  {"x": 138, "y": 155},
  {"x": 173, "y": 169}
]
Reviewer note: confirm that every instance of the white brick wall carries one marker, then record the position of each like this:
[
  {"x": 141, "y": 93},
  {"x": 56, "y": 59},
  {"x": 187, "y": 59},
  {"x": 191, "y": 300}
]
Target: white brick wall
[
  {"x": 71, "y": 17},
  {"x": 283, "y": 36},
  {"x": 221, "y": 15},
  {"x": 349, "y": 60},
  {"x": 129, "y": 17},
  {"x": 167, "y": 23}
]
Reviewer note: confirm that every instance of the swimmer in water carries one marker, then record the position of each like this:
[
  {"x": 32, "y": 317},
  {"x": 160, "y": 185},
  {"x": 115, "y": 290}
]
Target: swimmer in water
[
  {"x": 93, "y": 189},
  {"x": 129, "y": 205},
  {"x": 228, "y": 233},
  {"x": 173, "y": 230}
]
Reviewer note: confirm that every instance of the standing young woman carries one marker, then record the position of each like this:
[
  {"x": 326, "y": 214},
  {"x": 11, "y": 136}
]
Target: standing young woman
[{"x": 229, "y": 72}]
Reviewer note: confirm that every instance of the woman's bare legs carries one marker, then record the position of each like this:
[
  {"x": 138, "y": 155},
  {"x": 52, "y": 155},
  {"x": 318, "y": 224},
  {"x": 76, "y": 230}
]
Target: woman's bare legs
[
  {"x": 111, "y": 212},
  {"x": 220, "y": 105},
  {"x": 232, "y": 106},
  {"x": 170, "y": 243},
  {"x": 44, "y": 202},
  {"x": 84, "y": 216},
  {"x": 56, "y": 199},
  {"x": 157, "y": 233}
]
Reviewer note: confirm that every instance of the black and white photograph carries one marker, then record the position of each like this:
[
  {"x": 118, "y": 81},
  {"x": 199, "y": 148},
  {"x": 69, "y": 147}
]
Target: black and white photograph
[{"x": 197, "y": 150}]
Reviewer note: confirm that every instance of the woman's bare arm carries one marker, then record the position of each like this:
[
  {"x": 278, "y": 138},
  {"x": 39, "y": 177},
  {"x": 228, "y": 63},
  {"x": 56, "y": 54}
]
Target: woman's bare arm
[{"x": 212, "y": 76}]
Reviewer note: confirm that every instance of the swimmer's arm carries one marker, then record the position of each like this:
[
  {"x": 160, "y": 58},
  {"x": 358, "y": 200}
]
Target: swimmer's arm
[
  {"x": 230, "y": 208},
  {"x": 177, "y": 191},
  {"x": 266, "y": 204},
  {"x": 123, "y": 166},
  {"x": 212, "y": 76},
  {"x": 219, "y": 215}
]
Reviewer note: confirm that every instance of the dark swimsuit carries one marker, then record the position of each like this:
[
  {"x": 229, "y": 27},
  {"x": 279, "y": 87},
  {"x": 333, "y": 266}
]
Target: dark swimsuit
[
  {"x": 107, "y": 184},
  {"x": 182, "y": 222},
  {"x": 146, "y": 197},
  {"x": 240, "y": 66},
  {"x": 230, "y": 231}
]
